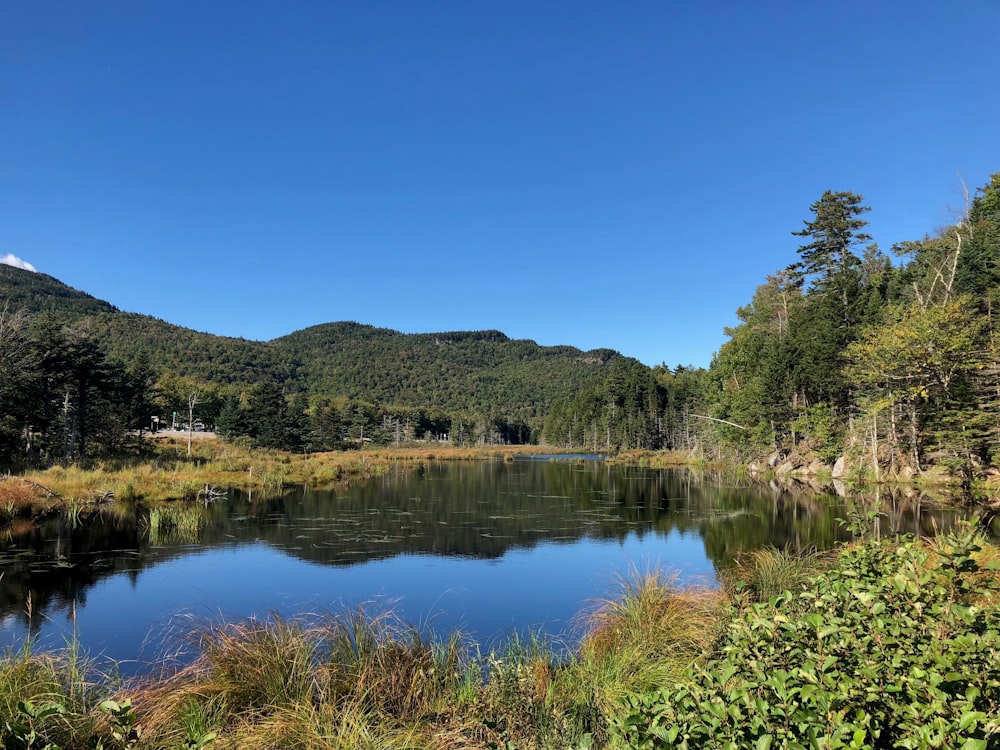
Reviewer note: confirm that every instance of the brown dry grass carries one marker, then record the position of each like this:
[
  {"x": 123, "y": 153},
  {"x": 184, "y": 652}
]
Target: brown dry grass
[
  {"x": 175, "y": 475},
  {"x": 19, "y": 497}
]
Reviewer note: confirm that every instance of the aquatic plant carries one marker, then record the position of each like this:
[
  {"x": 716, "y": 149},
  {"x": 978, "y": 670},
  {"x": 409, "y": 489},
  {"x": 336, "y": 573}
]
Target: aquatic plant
[{"x": 174, "y": 524}]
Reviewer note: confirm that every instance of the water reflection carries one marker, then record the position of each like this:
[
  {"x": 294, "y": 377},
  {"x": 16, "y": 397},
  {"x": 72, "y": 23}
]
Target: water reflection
[{"x": 493, "y": 544}]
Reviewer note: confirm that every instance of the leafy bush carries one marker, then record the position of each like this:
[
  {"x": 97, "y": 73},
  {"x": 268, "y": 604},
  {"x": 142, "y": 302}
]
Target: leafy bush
[{"x": 897, "y": 646}]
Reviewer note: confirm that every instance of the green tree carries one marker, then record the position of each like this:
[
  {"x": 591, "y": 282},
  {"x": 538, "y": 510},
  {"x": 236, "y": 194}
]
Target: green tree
[
  {"x": 271, "y": 422},
  {"x": 834, "y": 229},
  {"x": 749, "y": 380},
  {"x": 978, "y": 267},
  {"x": 18, "y": 361},
  {"x": 914, "y": 370}
]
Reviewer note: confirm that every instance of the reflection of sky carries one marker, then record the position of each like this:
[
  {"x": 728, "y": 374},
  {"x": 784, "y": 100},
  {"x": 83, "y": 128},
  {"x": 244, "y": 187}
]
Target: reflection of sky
[{"x": 542, "y": 588}]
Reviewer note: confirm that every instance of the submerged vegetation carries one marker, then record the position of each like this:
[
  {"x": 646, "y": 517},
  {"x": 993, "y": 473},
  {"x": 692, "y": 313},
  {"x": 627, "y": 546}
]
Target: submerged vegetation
[{"x": 885, "y": 643}]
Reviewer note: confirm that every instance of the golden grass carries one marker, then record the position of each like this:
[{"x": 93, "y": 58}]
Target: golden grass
[
  {"x": 172, "y": 474},
  {"x": 355, "y": 680},
  {"x": 23, "y": 498},
  {"x": 643, "y": 636}
]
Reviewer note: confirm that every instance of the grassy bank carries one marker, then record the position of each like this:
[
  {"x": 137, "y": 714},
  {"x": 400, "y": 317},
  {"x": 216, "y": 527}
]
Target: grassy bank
[
  {"x": 170, "y": 474},
  {"x": 879, "y": 644}
]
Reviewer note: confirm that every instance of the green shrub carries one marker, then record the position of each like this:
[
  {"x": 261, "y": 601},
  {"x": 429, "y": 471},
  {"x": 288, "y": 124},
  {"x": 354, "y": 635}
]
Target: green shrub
[{"x": 897, "y": 646}]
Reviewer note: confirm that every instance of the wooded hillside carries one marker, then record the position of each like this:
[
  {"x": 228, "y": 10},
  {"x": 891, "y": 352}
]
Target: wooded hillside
[{"x": 331, "y": 385}]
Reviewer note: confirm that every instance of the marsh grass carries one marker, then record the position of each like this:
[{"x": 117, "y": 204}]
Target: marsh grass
[
  {"x": 644, "y": 635},
  {"x": 170, "y": 474},
  {"x": 323, "y": 681},
  {"x": 63, "y": 680},
  {"x": 19, "y": 498},
  {"x": 174, "y": 524},
  {"x": 768, "y": 572},
  {"x": 366, "y": 679}
]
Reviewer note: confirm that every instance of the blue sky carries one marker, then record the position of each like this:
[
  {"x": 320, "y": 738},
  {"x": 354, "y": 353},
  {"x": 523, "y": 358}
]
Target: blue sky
[{"x": 595, "y": 174}]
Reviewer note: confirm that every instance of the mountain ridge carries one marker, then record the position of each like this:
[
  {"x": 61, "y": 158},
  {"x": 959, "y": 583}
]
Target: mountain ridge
[{"x": 481, "y": 372}]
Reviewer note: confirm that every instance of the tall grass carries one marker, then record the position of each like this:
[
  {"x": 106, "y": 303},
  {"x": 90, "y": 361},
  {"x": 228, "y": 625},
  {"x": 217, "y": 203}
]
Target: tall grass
[
  {"x": 768, "y": 572},
  {"x": 330, "y": 682},
  {"x": 172, "y": 524},
  {"x": 368, "y": 680},
  {"x": 644, "y": 635},
  {"x": 21, "y": 498},
  {"x": 56, "y": 695}
]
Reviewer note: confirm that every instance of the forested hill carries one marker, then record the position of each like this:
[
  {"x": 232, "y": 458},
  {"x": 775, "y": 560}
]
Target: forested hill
[
  {"x": 472, "y": 374},
  {"x": 39, "y": 293},
  {"x": 474, "y": 371}
]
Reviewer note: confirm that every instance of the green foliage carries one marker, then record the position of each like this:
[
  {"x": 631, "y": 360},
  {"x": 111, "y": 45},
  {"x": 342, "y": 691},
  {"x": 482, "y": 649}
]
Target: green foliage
[
  {"x": 893, "y": 366},
  {"x": 477, "y": 387},
  {"x": 620, "y": 411},
  {"x": 38, "y": 293},
  {"x": 61, "y": 397},
  {"x": 125, "y": 733},
  {"x": 749, "y": 381},
  {"x": 896, "y": 646},
  {"x": 833, "y": 231},
  {"x": 819, "y": 425},
  {"x": 22, "y": 732},
  {"x": 505, "y": 387}
]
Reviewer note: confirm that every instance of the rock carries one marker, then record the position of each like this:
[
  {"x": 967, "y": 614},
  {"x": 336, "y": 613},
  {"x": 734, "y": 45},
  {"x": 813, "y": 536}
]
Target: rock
[
  {"x": 817, "y": 467},
  {"x": 840, "y": 468},
  {"x": 787, "y": 467}
]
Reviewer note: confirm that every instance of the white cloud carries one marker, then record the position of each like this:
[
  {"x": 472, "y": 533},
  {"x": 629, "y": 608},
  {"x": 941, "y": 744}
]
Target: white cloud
[{"x": 12, "y": 260}]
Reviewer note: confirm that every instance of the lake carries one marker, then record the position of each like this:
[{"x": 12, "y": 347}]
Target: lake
[{"x": 488, "y": 547}]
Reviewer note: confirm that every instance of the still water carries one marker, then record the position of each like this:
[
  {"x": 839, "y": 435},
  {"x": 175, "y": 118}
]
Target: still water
[{"x": 486, "y": 547}]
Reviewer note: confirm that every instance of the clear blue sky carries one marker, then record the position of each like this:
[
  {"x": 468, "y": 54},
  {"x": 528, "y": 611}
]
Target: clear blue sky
[{"x": 598, "y": 174}]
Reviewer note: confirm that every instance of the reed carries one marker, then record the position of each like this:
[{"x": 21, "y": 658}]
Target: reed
[{"x": 173, "y": 524}]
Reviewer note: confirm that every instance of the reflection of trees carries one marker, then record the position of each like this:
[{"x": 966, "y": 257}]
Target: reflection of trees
[
  {"x": 56, "y": 562},
  {"x": 474, "y": 509}
]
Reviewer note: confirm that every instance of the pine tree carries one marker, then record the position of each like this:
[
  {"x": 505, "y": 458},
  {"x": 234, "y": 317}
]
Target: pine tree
[{"x": 835, "y": 229}]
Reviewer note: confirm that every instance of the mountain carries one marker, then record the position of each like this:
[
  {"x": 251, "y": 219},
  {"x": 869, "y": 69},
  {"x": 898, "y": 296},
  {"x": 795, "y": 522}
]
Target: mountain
[
  {"x": 476, "y": 372},
  {"x": 39, "y": 293}
]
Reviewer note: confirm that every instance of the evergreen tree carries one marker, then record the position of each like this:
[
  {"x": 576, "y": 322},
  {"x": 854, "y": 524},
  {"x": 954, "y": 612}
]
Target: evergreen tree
[{"x": 833, "y": 231}]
